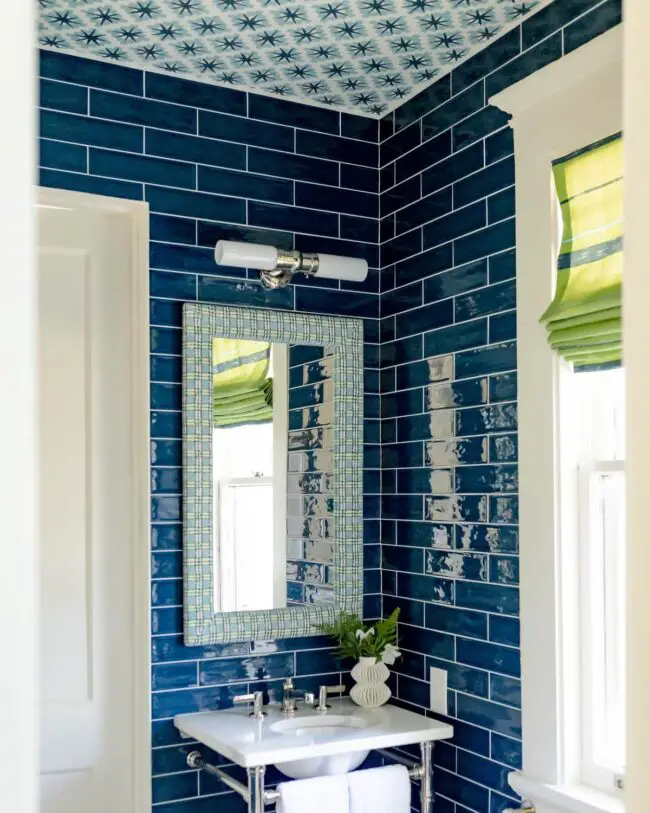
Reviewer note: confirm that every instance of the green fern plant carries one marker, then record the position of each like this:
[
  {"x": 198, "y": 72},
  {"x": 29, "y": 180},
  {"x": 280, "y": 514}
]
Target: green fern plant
[{"x": 355, "y": 640}]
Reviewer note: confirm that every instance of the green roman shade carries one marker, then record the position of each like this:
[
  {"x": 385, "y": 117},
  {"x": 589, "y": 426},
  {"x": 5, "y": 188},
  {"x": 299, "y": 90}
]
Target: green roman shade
[
  {"x": 242, "y": 391},
  {"x": 584, "y": 319}
]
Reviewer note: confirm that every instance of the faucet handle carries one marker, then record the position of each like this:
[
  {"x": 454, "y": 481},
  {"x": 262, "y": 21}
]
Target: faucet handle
[
  {"x": 257, "y": 699},
  {"x": 323, "y": 693}
]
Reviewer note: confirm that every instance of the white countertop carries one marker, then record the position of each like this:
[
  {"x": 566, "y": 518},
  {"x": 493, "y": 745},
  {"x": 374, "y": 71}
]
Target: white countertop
[{"x": 250, "y": 743}]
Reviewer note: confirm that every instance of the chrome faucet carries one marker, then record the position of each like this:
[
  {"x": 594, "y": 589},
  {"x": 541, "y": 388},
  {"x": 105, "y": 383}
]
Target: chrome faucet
[
  {"x": 323, "y": 693},
  {"x": 257, "y": 699},
  {"x": 291, "y": 695}
]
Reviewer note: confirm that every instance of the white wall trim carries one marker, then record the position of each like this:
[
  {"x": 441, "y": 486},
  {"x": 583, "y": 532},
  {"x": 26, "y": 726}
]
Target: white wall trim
[
  {"x": 565, "y": 106},
  {"x": 636, "y": 340},
  {"x": 138, "y": 214}
]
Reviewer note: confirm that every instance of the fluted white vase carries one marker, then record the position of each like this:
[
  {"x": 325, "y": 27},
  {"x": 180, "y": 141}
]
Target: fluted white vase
[{"x": 370, "y": 690}]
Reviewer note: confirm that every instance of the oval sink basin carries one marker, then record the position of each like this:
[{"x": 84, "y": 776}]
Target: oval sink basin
[{"x": 314, "y": 728}]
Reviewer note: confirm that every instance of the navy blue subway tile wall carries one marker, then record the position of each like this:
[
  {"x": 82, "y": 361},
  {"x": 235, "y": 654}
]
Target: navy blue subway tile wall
[
  {"x": 427, "y": 197},
  {"x": 448, "y": 381},
  {"x": 214, "y": 163}
]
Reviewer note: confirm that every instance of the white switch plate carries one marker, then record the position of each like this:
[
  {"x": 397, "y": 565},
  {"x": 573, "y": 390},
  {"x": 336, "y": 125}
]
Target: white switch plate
[{"x": 438, "y": 690}]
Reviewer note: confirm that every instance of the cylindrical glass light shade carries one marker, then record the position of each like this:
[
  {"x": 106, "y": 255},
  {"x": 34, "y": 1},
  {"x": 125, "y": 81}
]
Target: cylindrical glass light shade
[
  {"x": 245, "y": 255},
  {"x": 346, "y": 268}
]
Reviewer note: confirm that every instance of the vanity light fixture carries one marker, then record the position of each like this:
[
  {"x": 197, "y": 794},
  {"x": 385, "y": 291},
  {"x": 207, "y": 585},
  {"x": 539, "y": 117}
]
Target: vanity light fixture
[{"x": 277, "y": 266}]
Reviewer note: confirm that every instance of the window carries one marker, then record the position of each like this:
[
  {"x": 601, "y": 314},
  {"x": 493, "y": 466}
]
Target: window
[
  {"x": 571, "y": 466},
  {"x": 598, "y": 468}
]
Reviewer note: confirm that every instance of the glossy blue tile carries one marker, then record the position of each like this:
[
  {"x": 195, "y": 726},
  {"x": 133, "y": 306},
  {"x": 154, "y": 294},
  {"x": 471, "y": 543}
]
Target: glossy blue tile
[
  {"x": 427, "y": 642},
  {"x": 63, "y": 96},
  {"x": 168, "y": 592},
  {"x": 362, "y": 178},
  {"x": 489, "y": 538},
  {"x": 504, "y": 509},
  {"x": 601, "y": 19},
  {"x": 467, "y": 508},
  {"x": 140, "y": 168},
  {"x": 166, "y": 480},
  {"x": 501, "y": 205},
  {"x": 426, "y": 263},
  {"x": 503, "y": 327},
  {"x": 244, "y": 185},
  {"x": 195, "y": 204},
  {"x": 455, "y": 621},
  {"x": 162, "y": 339},
  {"x": 456, "y": 565},
  {"x": 499, "y": 145},
  {"x": 485, "y": 61},
  {"x": 458, "y": 107},
  {"x": 167, "y": 621},
  {"x": 400, "y": 143},
  {"x": 492, "y": 418},
  {"x": 502, "y": 266},
  {"x": 82, "y": 71},
  {"x": 358, "y": 127},
  {"x": 468, "y": 794},
  {"x": 489, "y": 597},
  {"x": 401, "y": 247},
  {"x": 137, "y": 110},
  {"x": 438, "y": 314},
  {"x": 166, "y": 508},
  {"x": 165, "y": 424},
  {"x": 455, "y": 338},
  {"x": 172, "y": 229},
  {"x": 503, "y": 387},
  {"x": 402, "y": 454},
  {"x": 421, "y": 103},
  {"x": 462, "y": 678},
  {"x": 60, "y": 155},
  {"x": 171, "y": 648},
  {"x": 478, "y": 126},
  {"x": 454, "y": 225},
  {"x": 457, "y": 166},
  {"x": 456, "y": 281},
  {"x": 176, "y": 286},
  {"x": 231, "y": 292},
  {"x": 426, "y": 588},
  {"x": 292, "y": 218},
  {"x": 245, "y": 131},
  {"x": 192, "y": 148},
  {"x": 488, "y": 656},
  {"x": 86, "y": 183},
  {"x": 490, "y": 715},
  {"x": 166, "y": 564},
  {"x": 293, "y": 114},
  {"x": 173, "y": 676},
  {"x": 480, "y": 184},
  {"x": 486, "y": 479},
  {"x": 324, "y": 301},
  {"x": 505, "y": 690},
  {"x": 424, "y": 534},
  {"x": 399, "y": 196},
  {"x": 506, "y": 750},
  {"x": 231, "y": 670},
  {"x": 189, "y": 701},
  {"x": 504, "y": 569},
  {"x": 166, "y": 537},
  {"x": 336, "y": 148},
  {"x": 430, "y": 153},
  {"x": 95, "y": 132},
  {"x": 483, "y": 771},
  {"x": 503, "y": 448},
  {"x": 291, "y": 166},
  {"x": 408, "y": 402},
  {"x": 428, "y": 208},
  {"x": 358, "y": 228},
  {"x": 315, "y": 196},
  {"x": 493, "y": 359},
  {"x": 407, "y": 560},
  {"x": 402, "y": 507},
  {"x": 490, "y": 240},
  {"x": 175, "y": 786},
  {"x": 530, "y": 61},
  {"x": 196, "y": 94}
]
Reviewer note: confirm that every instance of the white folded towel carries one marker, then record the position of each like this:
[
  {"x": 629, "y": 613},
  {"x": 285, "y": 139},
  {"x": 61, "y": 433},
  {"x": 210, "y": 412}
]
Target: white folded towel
[
  {"x": 380, "y": 790},
  {"x": 324, "y": 794}
]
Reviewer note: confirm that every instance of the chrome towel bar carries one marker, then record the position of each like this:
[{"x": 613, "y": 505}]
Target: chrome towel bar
[{"x": 257, "y": 798}]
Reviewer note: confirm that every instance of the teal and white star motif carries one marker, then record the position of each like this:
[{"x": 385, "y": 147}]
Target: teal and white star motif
[{"x": 361, "y": 56}]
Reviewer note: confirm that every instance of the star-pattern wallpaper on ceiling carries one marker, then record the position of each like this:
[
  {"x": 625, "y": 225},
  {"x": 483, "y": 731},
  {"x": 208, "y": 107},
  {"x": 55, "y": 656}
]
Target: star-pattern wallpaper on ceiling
[{"x": 363, "y": 56}]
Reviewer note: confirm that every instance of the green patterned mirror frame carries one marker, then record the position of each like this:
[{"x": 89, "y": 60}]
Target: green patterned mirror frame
[{"x": 201, "y": 324}]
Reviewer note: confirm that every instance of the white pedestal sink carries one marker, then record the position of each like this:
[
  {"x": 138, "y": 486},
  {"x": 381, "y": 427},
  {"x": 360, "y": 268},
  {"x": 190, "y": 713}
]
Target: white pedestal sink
[
  {"x": 310, "y": 743},
  {"x": 328, "y": 725}
]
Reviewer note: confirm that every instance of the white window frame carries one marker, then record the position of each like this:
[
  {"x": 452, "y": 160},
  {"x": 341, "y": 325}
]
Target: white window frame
[{"x": 570, "y": 103}]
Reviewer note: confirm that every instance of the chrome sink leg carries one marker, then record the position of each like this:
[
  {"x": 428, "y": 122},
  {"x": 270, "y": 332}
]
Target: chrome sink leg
[
  {"x": 426, "y": 788},
  {"x": 256, "y": 789}
]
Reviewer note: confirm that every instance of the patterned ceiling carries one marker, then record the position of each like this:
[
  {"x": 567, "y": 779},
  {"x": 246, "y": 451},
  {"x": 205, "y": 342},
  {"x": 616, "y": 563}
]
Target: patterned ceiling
[{"x": 363, "y": 56}]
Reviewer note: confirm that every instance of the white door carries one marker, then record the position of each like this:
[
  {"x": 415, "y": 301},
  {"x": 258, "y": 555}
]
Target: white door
[{"x": 86, "y": 549}]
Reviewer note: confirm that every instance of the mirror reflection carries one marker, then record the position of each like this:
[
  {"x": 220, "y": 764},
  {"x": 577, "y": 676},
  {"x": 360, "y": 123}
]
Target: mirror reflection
[{"x": 272, "y": 407}]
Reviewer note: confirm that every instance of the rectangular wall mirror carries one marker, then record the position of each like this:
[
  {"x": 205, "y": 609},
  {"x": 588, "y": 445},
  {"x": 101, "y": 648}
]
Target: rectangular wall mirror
[{"x": 272, "y": 460}]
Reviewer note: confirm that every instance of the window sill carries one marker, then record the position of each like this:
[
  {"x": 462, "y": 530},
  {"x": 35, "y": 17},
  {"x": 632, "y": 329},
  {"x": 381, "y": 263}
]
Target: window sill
[{"x": 565, "y": 798}]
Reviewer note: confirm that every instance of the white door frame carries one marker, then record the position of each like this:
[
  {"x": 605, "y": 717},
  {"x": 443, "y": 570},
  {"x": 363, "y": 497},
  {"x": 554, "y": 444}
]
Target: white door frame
[{"x": 138, "y": 214}]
